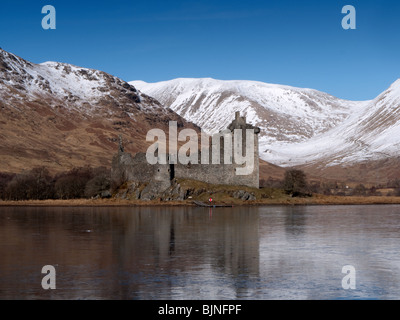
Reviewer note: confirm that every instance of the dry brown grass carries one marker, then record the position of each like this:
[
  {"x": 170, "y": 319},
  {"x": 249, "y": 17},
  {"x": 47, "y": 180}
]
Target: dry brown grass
[
  {"x": 91, "y": 203},
  {"x": 314, "y": 200},
  {"x": 330, "y": 200}
]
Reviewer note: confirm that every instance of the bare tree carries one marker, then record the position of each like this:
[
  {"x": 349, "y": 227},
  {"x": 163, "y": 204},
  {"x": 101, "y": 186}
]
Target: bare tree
[
  {"x": 36, "y": 184},
  {"x": 72, "y": 184}
]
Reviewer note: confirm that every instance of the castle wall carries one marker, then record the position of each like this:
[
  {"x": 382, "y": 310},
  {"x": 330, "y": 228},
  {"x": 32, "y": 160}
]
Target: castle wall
[
  {"x": 132, "y": 168},
  {"x": 212, "y": 173},
  {"x": 220, "y": 173}
]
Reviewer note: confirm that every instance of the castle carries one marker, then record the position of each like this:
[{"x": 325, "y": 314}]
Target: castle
[{"x": 138, "y": 169}]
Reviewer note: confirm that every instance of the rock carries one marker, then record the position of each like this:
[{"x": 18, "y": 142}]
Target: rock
[
  {"x": 153, "y": 190},
  {"x": 243, "y": 195},
  {"x": 137, "y": 194},
  {"x": 106, "y": 194},
  {"x": 124, "y": 194}
]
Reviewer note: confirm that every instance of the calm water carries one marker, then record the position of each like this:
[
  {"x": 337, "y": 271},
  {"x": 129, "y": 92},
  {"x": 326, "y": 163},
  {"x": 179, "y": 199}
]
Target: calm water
[{"x": 195, "y": 253}]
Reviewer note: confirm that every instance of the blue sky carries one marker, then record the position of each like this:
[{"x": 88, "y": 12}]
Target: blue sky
[{"x": 297, "y": 43}]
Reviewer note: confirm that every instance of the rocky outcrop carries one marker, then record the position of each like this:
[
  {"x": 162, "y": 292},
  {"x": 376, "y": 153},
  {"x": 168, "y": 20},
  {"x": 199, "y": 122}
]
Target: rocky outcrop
[
  {"x": 177, "y": 192},
  {"x": 243, "y": 195}
]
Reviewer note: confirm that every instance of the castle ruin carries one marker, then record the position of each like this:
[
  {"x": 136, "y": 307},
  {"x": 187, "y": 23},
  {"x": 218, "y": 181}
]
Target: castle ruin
[{"x": 138, "y": 169}]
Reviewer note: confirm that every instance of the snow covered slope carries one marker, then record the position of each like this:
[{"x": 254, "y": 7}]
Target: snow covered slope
[
  {"x": 285, "y": 113},
  {"x": 298, "y": 125},
  {"x": 370, "y": 132},
  {"x": 80, "y": 89}
]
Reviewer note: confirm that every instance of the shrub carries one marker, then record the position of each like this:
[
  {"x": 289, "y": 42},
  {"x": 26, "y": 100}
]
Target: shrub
[
  {"x": 295, "y": 182},
  {"x": 359, "y": 190},
  {"x": 38, "y": 184},
  {"x": 315, "y": 187},
  {"x": 394, "y": 183}
]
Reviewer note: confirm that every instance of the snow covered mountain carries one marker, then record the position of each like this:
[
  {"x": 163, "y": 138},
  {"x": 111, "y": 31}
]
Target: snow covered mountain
[
  {"x": 370, "y": 132},
  {"x": 300, "y": 127},
  {"x": 60, "y": 115},
  {"x": 79, "y": 89},
  {"x": 286, "y": 115}
]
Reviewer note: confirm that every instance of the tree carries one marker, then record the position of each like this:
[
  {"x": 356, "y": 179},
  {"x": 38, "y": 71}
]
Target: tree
[
  {"x": 5, "y": 179},
  {"x": 41, "y": 184},
  {"x": 359, "y": 190},
  {"x": 71, "y": 184},
  {"x": 315, "y": 187},
  {"x": 295, "y": 182},
  {"x": 70, "y": 187},
  {"x": 36, "y": 184}
]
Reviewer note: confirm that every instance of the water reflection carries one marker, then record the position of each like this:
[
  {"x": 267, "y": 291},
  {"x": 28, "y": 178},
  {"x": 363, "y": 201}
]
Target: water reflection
[
  {"x": 197, "y": 253},
  {"x": 163, "y": 245},
  {"x": 126, "y": 253},
  {"x": 295, "y": 220}
]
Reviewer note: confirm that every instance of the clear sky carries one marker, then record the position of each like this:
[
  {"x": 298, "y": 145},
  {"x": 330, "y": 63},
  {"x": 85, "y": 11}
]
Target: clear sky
[{"x": 291, "y": 42}]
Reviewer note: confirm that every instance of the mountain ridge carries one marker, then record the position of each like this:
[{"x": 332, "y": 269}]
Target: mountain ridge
[
  {"x": 61, "y": 116},
  {"x": 312, "y": 130}
]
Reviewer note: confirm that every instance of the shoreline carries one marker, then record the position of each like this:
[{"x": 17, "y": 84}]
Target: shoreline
[{"x": 315, "y": 200}]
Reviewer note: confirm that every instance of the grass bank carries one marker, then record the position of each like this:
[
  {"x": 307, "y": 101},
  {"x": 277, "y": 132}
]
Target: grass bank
[
  {"x": 314, "y": 200},
  {"x": 220, "y": 194}
]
